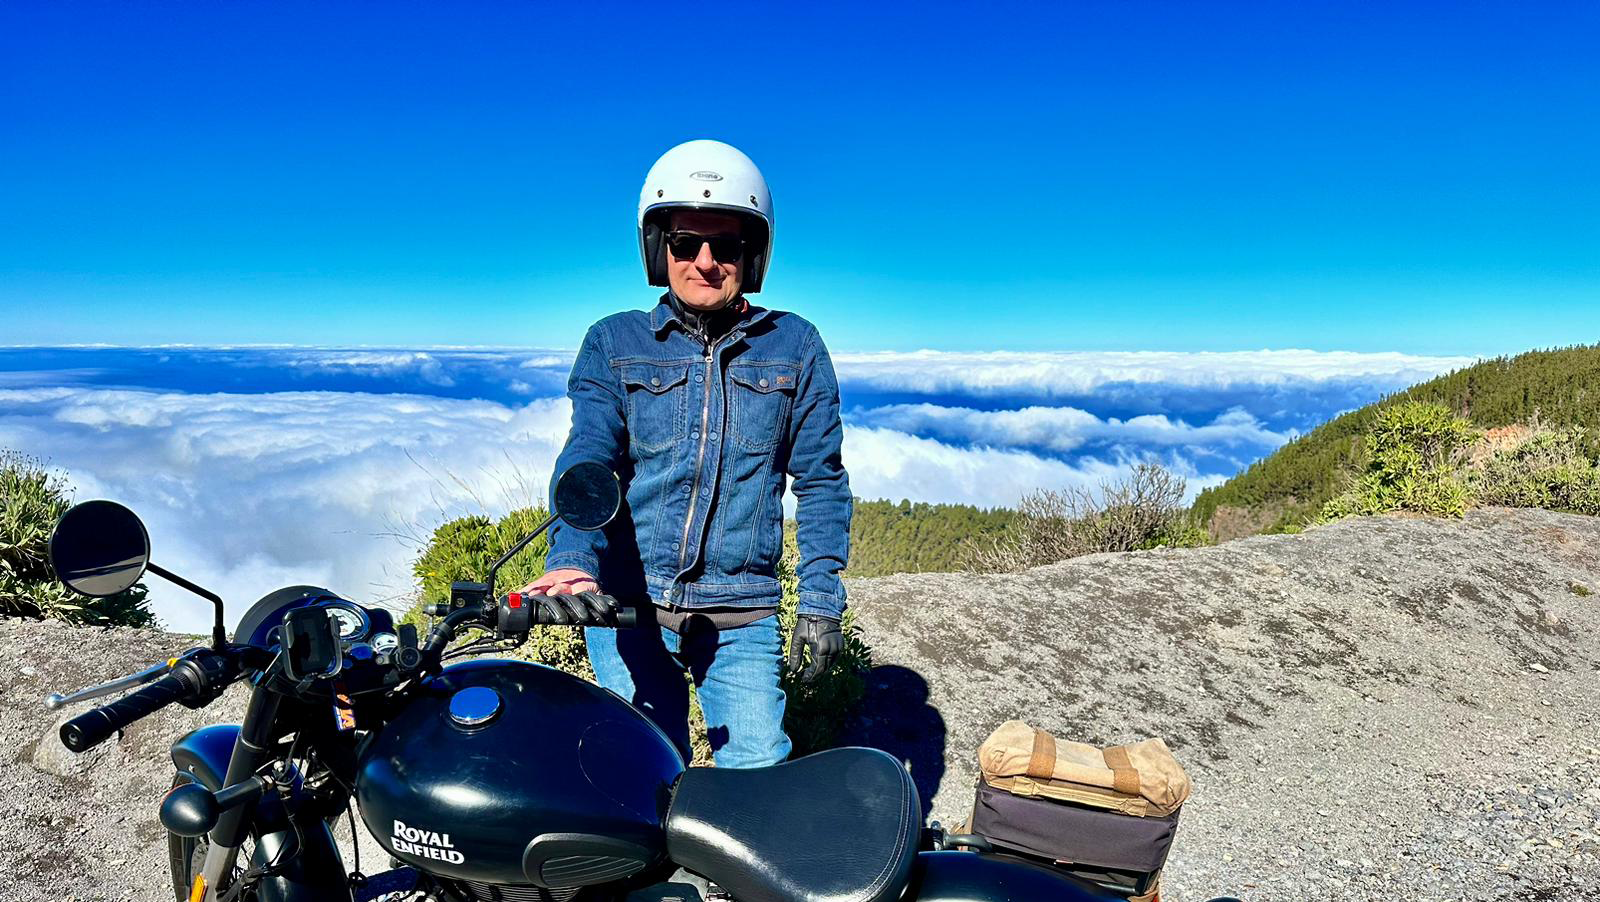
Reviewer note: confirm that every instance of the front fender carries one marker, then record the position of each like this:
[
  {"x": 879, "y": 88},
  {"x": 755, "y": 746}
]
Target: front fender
[
  {"x": 971, "y": 877},
  {"x": 204, "y": 753}
]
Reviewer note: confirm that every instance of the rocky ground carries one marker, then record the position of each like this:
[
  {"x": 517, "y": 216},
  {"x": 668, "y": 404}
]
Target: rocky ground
[{"x": 1374, "y": 709}]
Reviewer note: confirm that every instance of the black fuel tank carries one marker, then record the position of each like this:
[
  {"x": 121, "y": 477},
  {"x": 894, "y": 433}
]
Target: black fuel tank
[{"x": 515, "y": 773}]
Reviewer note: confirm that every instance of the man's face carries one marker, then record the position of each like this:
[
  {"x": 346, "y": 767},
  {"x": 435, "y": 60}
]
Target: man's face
[{"x": 700, "y": 281}]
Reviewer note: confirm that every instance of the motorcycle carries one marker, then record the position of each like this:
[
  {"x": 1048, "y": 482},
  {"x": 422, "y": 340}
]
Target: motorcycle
[{"x": 491, "y": 779}]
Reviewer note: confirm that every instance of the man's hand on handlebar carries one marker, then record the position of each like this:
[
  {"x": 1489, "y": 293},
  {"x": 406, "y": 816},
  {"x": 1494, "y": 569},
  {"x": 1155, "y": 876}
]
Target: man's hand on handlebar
[{"x": 561, "y": 581}]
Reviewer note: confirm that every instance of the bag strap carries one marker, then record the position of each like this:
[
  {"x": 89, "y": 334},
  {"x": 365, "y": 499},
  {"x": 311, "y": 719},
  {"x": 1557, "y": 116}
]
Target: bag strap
[
  {"x": 1042, "y": 763},
  {"x": 1124, "y": 776}
]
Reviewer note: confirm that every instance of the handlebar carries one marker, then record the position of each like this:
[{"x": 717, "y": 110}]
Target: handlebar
[
  {"x": 196, "y": 678},
  {"x": 96, "y": 725},
  {"x": 514, "y": 613}
]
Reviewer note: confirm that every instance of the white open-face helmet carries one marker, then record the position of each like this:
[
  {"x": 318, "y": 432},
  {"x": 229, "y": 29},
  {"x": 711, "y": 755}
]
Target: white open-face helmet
[{"x": 706, "y": 175}]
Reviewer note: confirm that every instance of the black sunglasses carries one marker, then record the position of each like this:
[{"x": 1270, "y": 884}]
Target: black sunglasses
[{"x": 724, "y": 248}]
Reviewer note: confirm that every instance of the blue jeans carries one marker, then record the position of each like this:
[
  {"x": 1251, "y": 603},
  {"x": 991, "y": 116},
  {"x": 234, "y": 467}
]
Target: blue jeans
[{"x": 735, "y": 674}]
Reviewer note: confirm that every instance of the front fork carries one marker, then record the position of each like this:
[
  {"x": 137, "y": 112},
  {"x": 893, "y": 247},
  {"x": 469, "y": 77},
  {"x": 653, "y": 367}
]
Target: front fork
[{"x": 250, "y": 753}]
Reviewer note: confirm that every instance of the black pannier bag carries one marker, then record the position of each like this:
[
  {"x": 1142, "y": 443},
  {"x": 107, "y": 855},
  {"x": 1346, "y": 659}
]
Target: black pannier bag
[{"x": 1105, "y": 815}]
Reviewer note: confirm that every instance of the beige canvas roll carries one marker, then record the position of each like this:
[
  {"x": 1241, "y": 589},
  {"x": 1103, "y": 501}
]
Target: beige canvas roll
[{"x": 1140, "y": 779}]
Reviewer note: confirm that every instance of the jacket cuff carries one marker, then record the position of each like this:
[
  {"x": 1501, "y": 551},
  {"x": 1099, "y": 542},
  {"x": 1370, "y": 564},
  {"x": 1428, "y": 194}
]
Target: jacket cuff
[
  {"x": 577, "y": 560},
  {"x": 821, "y": 604}
]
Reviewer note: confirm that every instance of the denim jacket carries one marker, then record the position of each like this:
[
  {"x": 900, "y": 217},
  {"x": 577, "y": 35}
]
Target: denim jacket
[{"x": 702, "y": 438}]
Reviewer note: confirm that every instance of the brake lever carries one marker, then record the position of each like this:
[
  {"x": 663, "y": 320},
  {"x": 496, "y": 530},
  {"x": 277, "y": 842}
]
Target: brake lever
[{"x": 149, "y": 675}]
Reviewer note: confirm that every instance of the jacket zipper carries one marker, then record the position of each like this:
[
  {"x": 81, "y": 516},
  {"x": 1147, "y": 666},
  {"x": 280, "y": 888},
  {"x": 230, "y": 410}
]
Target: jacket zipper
[{"x": 700, "y": 457}]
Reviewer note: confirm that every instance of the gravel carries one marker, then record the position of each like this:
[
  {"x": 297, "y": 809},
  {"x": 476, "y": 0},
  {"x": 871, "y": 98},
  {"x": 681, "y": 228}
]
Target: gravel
[
  {"x": 1373, "y": 709},
  {"x": 1378, "y": 708}
]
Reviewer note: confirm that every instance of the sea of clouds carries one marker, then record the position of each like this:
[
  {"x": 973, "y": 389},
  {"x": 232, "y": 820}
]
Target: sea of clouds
[{"x": 256, "y": 468}]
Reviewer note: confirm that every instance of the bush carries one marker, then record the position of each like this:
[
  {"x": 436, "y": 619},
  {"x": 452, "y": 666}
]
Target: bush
[
  {"x": 1144, "y": 510},
  {"x": 1551, "y": 469},
  {"x": 463, "y": 549},
  {"x": 815, "y": 713},
  {"x": 32, "y": 499},
  {"x": 1412, "y": 457}
]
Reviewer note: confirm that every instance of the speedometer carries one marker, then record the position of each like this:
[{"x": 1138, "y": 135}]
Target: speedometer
[
  {"x": 384, "y": 643},
  {"x": 352, "y": 622}
]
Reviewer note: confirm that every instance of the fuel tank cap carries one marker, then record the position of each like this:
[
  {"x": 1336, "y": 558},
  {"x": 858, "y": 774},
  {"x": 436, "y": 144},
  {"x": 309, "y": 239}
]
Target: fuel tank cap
[{"x": 474, "y": 706}]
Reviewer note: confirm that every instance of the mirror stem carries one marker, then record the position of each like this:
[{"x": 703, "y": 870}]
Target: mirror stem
[
  {"x": 219, "y": 634},
  {"x": 495, "y": 567}
]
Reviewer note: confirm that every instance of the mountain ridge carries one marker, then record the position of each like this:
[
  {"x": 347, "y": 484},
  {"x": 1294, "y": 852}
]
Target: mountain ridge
[{"x": 1555, "y": 387}]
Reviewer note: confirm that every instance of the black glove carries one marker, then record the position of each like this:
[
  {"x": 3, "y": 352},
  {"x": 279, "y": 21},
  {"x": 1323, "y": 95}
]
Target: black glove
[{"x": 822, "y": 637}]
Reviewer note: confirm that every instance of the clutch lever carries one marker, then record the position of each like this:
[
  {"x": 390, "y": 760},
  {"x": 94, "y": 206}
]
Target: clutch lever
[{"x": 149, "y": 675}]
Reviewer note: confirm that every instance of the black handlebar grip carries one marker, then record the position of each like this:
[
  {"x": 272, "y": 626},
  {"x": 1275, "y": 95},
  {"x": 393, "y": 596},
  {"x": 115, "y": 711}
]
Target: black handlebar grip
[
  {"x": 583, "y": 609},
  {"x": 96, "y": 725}
]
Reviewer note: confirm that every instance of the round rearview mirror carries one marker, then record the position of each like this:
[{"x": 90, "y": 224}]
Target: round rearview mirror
[
  {"x": 587, "y": 496},
  {"x": 99, "y": 548}
]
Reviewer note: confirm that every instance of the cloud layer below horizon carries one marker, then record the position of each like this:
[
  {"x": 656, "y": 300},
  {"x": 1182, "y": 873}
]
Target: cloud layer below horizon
[{"x": 256, "y": 468}]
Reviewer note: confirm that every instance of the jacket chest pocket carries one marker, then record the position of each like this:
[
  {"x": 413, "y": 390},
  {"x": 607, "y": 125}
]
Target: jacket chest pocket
[
  {"x": 657, "y": 404},
  {"x": 761, "y": 396}
]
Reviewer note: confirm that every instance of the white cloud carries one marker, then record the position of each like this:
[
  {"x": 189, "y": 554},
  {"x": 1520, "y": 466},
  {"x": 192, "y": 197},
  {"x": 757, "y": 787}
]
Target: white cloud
[
  {"x": 1068, "y": 429},
  {"x": 1058, "y": 373},
  {"x": 886, "y": 463},
  {"x": 246, "y": 493}
]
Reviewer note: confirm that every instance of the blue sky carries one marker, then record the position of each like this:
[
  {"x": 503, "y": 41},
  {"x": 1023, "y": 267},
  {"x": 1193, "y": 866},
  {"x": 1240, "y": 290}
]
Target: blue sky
[
  {"x": 1181, "y": 233},
  {"x": 1187, "y": 177}
]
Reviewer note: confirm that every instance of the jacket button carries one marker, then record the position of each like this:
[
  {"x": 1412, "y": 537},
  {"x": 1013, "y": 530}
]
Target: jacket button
[
  {"x": 675, "y": 546},
  {"x": 655, "y": 380},
  {"x": 699, "y": 377},
  {"x": 686, "y": 487},
  {"x": 762, "y": 382},
  {"x": 695, "y": 434}
]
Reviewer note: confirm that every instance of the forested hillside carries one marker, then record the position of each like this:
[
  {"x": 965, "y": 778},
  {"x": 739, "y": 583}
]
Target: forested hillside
[
  {"x": 889, "y": 537},
  {"x": 1555, "y": 388}
]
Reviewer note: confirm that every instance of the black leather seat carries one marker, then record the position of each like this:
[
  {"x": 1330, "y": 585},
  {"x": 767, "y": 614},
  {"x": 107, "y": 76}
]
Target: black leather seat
[{"x": 837, "y": 826}]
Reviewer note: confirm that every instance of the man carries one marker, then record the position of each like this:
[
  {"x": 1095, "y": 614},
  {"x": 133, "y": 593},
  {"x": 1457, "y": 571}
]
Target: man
[{"x": 703, "y": 405}]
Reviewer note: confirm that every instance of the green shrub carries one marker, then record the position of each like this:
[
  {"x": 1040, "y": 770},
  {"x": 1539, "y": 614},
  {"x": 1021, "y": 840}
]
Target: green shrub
[
  {"x": 815, "y": 713},
  {"x": 463, "y": 549},
  {"x": 32, "y": 499},
  {"x": 1552, "y": 469},
  {"x": 1183, "y": 532},
  {"x": 1412, "y": 455}
]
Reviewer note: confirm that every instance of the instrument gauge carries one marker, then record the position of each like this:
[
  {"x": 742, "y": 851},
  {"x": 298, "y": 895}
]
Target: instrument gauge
[
  {"x": 385, "y": 643},
  {"x": 352, "y": 622}
]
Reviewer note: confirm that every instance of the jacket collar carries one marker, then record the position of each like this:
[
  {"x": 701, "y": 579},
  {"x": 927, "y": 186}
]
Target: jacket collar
[{"x": 663, "y": 316}]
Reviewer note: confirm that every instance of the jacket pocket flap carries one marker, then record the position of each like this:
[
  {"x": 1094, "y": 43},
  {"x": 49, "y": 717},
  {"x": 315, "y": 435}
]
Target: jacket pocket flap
[
  {"x": 766, "y": 377},
  {"x": 652, "y": 377}
]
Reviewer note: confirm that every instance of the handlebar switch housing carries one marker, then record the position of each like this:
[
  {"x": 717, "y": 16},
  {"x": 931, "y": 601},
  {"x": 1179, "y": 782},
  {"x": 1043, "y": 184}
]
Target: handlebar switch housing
[
  {"x": 209, "y": 672},
  {"x": 515, "y": 615}
]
